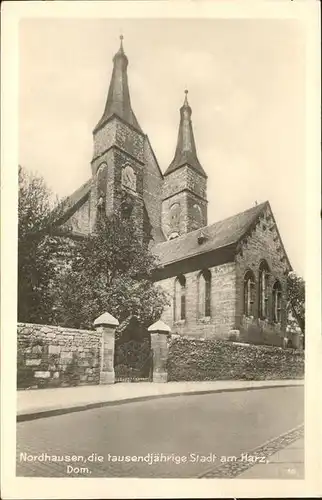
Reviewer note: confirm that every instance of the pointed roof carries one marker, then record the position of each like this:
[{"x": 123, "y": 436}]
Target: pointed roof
[
  {"x": 159, "y": 326},
  {"x": 118, "y": 98},
  {"x": 69, "y": 205},
  {"x": 106, "y": 319},
  {"x": 186, "y": 152}
]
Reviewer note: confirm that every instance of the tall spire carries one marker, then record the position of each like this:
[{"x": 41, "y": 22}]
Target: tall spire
[
  {"x": 186, "y": 152},
  {"x": 118, "y": 98}
]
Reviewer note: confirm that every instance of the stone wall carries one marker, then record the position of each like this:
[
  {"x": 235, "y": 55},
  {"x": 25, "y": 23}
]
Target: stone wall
[
  {"x": 117, "y": 133},
  {"x": 152, "y": 187},
  {"x": 188, "y": 189},
  {"x": 53, "y": 356},
  {"x": 184, "y": 178},
  {"x": 223, "y": 298}
]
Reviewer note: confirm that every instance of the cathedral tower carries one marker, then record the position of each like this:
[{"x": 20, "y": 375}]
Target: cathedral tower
[
  {"x": 184, "y": 204},
  {"x": 118, "y": 158}
]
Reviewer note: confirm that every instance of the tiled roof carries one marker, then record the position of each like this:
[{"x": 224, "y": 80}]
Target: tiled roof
[
  {"x": 218, "y": 235},
  {"x": 157, "y": 235}
]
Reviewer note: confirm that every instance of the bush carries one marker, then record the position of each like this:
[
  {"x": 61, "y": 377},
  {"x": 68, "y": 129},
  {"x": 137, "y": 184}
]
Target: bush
[{"x": 223, "y": 360}]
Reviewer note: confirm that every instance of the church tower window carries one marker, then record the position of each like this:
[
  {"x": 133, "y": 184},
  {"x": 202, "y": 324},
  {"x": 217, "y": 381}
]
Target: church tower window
[
  {"x": 197, "y": 215},
  {"x": 204, "y": 295},
  {"x": 101, "y": 179},
  {"x": 101, "y": 183},
  {"x": 263, "y": 289},
  {"x": 180, "y": 298},
  {"x": 249, "y": 293},
  {"x": 277, "y": 302},
  {"x": 129, "y": 178}
]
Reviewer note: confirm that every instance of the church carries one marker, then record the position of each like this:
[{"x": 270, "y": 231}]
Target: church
[{"x": 227, "y": 280}]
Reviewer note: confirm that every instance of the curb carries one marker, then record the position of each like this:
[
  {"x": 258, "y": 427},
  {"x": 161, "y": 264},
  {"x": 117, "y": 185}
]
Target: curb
[{"x": 23, "y": 417}]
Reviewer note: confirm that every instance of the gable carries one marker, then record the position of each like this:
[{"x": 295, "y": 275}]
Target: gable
[{"x": 262, "y": 240}]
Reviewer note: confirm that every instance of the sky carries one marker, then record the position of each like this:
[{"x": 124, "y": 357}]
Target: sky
[{"x": 246, "y": 82}]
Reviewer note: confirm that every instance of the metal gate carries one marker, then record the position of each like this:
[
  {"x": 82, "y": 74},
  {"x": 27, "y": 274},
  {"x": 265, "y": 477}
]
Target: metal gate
[{"x": 133, "y": 361}]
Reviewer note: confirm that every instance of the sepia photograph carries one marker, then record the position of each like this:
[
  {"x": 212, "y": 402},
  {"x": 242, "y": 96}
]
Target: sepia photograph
[{"x": 162, "y": 265}]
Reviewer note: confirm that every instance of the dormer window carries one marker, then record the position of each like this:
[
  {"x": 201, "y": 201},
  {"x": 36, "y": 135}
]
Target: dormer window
[
  {"x": 173, "y": 235},
  {"x": 100, "y": 202},
  {"x": 202, "y": 238}
]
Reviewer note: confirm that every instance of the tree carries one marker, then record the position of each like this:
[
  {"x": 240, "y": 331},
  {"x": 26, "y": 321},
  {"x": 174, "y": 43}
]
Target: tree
[
  {"x": 111, "y": 270},
  {"x": 296, "y": 298},
  {"x": 37, "y": 246}
]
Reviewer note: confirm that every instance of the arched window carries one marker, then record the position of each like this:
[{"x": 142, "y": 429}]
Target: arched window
[
  {"x": 196, "y": 216},
  {"x": 129, "y": 177},
  {"x": 249, "y": 293},
  {"x": 101, "y": 182},
  {"x": 101, "y": 179},
  {"x": 204, "y": 293},
  {"x": 180, "y": 298},
  {"x": 277, "y": 302},
  {"x": 263, "y": 289}
]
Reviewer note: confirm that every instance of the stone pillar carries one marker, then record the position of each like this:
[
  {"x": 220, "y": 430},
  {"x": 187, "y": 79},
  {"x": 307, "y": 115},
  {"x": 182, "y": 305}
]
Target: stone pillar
[
  {"x": 159, "y": 332},
  {"x": 106, "y": 325}
]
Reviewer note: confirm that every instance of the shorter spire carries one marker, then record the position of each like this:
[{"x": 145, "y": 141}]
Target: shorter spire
[{"x": 186, "y": 152}]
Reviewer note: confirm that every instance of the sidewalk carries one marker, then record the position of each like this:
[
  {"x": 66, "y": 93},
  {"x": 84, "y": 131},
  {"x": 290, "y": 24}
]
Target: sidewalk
[
  {"x": 38, "y": 403},
  {"x": 287, "y": 463}
]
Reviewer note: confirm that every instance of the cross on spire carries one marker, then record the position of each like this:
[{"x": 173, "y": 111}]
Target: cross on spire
[{"x": 186, "y": 98}]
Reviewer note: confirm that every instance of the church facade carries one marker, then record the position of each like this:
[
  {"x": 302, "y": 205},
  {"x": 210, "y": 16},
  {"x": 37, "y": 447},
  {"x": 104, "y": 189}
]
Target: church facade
[{"x": 227, "y": 280}]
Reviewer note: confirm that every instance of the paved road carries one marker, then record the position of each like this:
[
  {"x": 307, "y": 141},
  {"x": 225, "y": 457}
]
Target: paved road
[{"x": 212, "y": 425}]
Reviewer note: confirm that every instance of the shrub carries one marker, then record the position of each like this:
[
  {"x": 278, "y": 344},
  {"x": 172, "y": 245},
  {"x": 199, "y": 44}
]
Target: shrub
[{"x": 223, "y": 360}]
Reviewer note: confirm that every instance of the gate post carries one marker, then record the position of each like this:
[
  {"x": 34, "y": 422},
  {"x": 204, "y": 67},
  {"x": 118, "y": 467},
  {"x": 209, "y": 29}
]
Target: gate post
[
  {"x": 106, "y": 325},
  {"x": 159, "y": 332}
]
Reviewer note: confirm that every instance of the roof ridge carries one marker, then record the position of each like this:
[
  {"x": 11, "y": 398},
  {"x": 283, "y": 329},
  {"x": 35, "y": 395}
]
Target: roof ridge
[{"x": 69, "y": 203}]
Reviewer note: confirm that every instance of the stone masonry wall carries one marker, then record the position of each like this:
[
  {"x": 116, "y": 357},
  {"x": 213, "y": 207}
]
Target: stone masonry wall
[
  {"x": 184, "y": 178},
  {"x": 223, "y": 298},
  {"x": 103, "y": 140},
  {"x": 180, "y": 222},
  {"x": 117, "y": 133},
  {"x": 263, "y": 243},
  {"x": 152, "y": 187},
  {"x": 52, "y": 356},
  {"x": 187, "y": 188}
]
